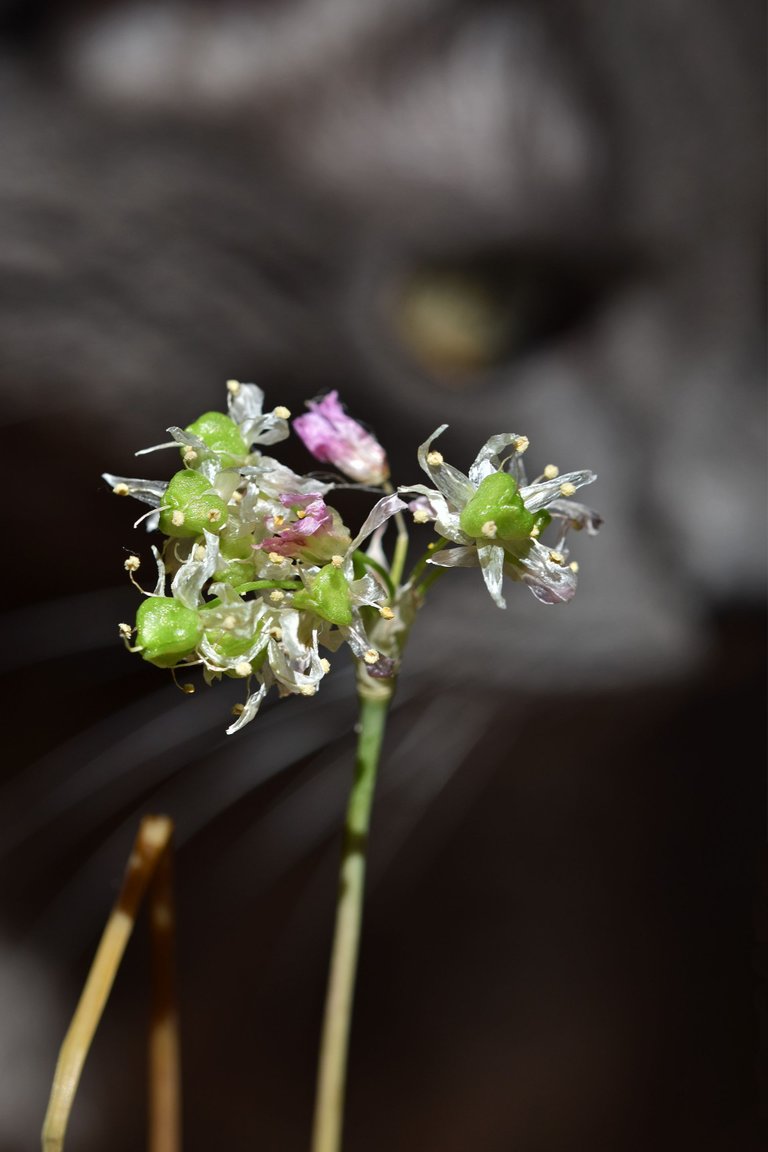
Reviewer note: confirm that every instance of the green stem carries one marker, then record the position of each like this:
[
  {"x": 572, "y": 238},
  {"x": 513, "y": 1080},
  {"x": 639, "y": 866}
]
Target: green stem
[{"x": 331, "y": 1083}]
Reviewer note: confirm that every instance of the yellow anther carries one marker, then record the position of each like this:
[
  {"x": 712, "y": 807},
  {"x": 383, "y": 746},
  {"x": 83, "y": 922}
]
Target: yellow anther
[
  {"x": 337, "y": 561},
  {"x": 244, "y": 668},
  {"x": 574, "y": 565},
  {"x": 489, "y": 529},
  {"x": 188, "y": 689},
  {"x": 229, "y": 622},
  {"x": 300, "y": 513},
  {"x": 125, "y": 631},
  {"x": 567, "y": 489},
  {"x": 276, "y": 595},
  {"x": 200, "y": 552},
  {"x": 434, "y": 459},
  {"x": 214, "y": 515},
  {"x": 325, "y": 665},
  {"x": 236, "y": 496},
  {"x": 282, "y": 412},
  {"x": 421, "y": 516},
  {"x": 521, "y": 443},
  {"x": 238, "y": 709},
  {"x": 177, "y": 518},
  {"x": 534, "y": 532},
  {"x": 189, "y": 455},
  {"x": 276, "y": 633},
  {"x": 121, "y": 489},
  {"x": 557, "y": 557},
  {"x": 308, "y": 690},
  {"x": 386, "y": 612},
  {"x": 551, "y": 471},
  {"x": 233, "y": 387},
  {"x": 371, "y": 656},
  {"x": 132, "y": 564},
  {"x": 278, "y": 520},
  {"x": 276, "y": 558}
]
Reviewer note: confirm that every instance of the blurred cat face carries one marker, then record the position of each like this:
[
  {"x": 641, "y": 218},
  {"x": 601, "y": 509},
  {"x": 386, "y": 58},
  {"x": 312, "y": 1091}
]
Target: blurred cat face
[{"x": 501, "y": 218}]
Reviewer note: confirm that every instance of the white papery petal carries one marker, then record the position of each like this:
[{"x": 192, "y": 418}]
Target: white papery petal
[
  {"x": 247, "y": 403},
  {"x": 149, "y": 491},
  {"x": 252, "y": 705},
  {"x": 160, "y": 585},
  {"x": 539, "y": 495},
  {"x": 579, "y": 515},
  {"x": 454, "y": 485},
  {"x": 187, "y": 584},
  {"x": 491, "y": 558},
  {"x": 550, "y": 583},
  {"x": 487, "y": 459},
  {"x": 465, "y": 557},
  {"x": 367, "y": 590},
  {"x": 378, "y": 515}
]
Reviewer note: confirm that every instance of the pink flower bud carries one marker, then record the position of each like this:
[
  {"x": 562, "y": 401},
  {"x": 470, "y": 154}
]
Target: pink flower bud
[{"x": 335, "y": 438}]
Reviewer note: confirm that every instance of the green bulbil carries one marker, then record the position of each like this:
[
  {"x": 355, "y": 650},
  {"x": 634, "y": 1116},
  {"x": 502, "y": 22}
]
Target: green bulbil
[
  {"x": 329, "y": 596},
  {"x": 222, "y": 435},
  {"x": 497, "y": 501},
  {"x": 166, "y": 631},
  {"x": 191, "y": 495}
]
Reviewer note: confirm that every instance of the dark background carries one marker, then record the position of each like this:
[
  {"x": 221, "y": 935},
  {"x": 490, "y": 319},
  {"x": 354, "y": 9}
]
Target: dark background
[{"x": 498, "y": 216}]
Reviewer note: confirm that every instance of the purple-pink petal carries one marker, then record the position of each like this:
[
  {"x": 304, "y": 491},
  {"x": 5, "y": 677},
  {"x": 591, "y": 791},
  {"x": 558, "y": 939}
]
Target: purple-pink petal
[{"x": 335, "y": 438}]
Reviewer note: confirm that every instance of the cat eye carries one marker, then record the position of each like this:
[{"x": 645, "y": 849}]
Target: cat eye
[{"x": 461, "y": 321}]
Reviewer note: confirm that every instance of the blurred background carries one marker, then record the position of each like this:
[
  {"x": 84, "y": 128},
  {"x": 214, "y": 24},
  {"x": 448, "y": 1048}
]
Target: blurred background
[{"x": 503, "y": 216}]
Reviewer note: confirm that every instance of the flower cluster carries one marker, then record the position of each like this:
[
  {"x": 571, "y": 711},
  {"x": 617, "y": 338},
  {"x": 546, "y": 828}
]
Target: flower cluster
[
  {"x": 263, "y": 572},
  {"x": 258, "y": 572}
]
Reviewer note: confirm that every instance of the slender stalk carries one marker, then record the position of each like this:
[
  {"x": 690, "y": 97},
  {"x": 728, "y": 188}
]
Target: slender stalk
[
  {"x": 164, "y": 1046},
  {"x": 149, "y": 846},
  {"x": 332, "y": 1070}
]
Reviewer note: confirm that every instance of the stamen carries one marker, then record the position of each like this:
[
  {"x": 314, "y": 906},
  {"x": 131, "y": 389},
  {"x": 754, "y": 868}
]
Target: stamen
[
  {"x": 300, "y": 513},
  {"x": 434, "y": 459},
  {"x": 282, "y": 412},
  {"x": 125, "y": 631},
  {"x": 337, "y": 561},
  {"x": 233, "y": 387},
  {"x": 132, "y": 564},
  {"x": 567, "y": 489},
  {"x": 236, "y": 496},
  {"x": 200, "y": 552},
  {"x": 325, "y": 665},
  {"x": 420, "y": 516},
  {"x": 386, "y": 612},
  {"x": 574, "y": 565},
  {"x": 278, "y": 520},
  {"x": 489, "y": 529},
  {"x": 121, "y": 489},
  {"x": 371, "y": 656},
  {"x": 229, "y": 622},
  {"x": 551, "y": 471},
  {"x": 238, "y": 709},
  {"x": 244, "y": 668},
  {"x": 188, "y": 689},
  {"x": 276, "y": 595},
  {"x": 276, "y": 633},
  {"x": 308, "y": 690},
  {"x": 276, "y": 558},
  {"x": 557, "y": 557},
  {"x": 177, "y": 518},
  {"x": 534, "y": 532},
  {"x": 521, "y": 443},
  {"x": 189, "y": 455}
]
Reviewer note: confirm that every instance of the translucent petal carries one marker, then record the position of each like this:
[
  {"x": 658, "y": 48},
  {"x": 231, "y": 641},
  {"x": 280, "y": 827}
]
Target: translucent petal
[
  {"x": 378, "y": 515},
  {"x": 579, "y": 515},
  {"x": 539, "y": 495},
  {"x": 149, "y": 491},
  {"x": 465, "y": 557},
  {"x": 487, "y": 459},
  {"x": 252, "y": 705},
  {"x": 491, "y": 558},
  {"x": 195, "y": 572},
  {"x": 454, "y": 485},
  {"x": 549, "y": 582}
]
